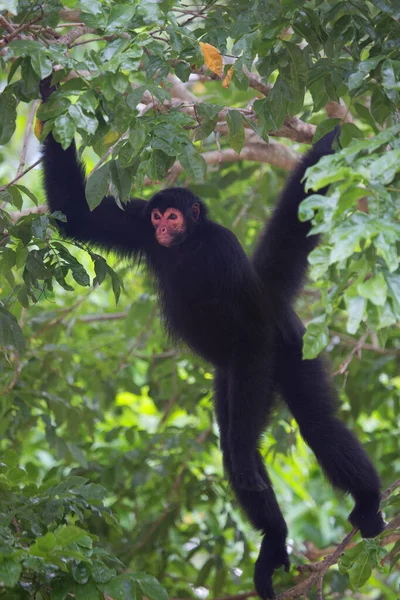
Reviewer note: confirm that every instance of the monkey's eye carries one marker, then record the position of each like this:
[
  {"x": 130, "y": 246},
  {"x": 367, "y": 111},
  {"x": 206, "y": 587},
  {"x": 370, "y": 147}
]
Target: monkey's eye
[
  {"x": 156, "y": 217},
  {"x": 172, "y": 217}
]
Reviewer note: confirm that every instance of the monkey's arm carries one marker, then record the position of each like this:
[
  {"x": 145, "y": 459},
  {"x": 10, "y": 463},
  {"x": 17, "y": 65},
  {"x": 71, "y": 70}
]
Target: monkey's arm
[
  {"x": 107, "y": 226},
  {"x": 280, "y": 258}
]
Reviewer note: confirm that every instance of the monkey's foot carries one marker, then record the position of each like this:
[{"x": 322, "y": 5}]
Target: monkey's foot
[
  {"x": 249, "y": 480},
  {"x": 273, "y": 555},
  {"x": 368, "y": 519}
]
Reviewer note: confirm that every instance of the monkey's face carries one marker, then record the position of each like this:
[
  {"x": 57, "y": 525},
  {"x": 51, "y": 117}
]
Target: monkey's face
[{"x": 171, "y": 226}]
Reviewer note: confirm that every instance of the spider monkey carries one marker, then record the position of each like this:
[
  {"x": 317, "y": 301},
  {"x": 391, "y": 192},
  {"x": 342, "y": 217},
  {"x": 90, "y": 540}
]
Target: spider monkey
[{"x": 235, "y": 312}]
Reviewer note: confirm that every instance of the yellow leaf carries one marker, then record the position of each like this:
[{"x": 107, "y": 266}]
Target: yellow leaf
[
  {"x": 212, "y": 58},
  {"x": 37, "y": 130},
  {"x": 228, "y": 78},
  {"x": 111, "y": 137}
]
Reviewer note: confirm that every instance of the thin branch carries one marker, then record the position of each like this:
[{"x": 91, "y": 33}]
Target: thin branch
[
  {"x": 74, "y": 34},
  {"x": 34, "y": 210},
  {"x": 14, "y": 380},
  {"x": 389, "y": 491},
  {"x": 347, "y": 340},
  {"x": 35, "y": 164},
  {"x": 355, "y": 350},
  {"x": 319, "y": 569}
]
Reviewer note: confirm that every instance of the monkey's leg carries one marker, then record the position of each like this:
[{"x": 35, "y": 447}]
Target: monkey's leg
[
  {"x": 306, "y": 389},
  {"x": 261, "y": 507},
  {"x": 250, "y": 393}
]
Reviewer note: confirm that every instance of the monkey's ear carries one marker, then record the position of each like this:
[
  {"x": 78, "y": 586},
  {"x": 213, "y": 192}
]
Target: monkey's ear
[{"x": 196, "y": 211}]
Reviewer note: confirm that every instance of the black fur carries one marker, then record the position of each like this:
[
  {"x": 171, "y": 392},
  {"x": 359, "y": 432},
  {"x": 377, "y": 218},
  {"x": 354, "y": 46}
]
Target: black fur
[{"x": 235, "y": 313}]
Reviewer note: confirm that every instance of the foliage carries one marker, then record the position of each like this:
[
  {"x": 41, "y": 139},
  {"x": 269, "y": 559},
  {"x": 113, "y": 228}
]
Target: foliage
[{"x": 110, "y": 471}]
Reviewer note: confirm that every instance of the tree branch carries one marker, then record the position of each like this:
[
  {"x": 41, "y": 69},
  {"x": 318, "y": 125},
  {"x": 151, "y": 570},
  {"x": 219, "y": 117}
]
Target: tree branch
[{"x": 318, "y": 570}]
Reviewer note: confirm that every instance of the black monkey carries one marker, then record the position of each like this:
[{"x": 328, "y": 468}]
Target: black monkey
[{"x": 236, "y": 313}]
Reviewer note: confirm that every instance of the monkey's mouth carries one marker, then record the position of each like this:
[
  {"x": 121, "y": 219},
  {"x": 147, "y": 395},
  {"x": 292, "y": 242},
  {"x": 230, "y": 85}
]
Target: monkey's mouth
[{"x": 165, "y": 239}]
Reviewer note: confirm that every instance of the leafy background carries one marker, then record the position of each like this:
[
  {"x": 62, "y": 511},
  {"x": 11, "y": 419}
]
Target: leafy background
[{"x": 110, "y": 474}]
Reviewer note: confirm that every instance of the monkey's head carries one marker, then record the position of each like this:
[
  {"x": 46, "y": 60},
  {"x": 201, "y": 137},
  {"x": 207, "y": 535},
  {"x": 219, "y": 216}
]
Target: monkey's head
[{"x": 175, "y": 214}]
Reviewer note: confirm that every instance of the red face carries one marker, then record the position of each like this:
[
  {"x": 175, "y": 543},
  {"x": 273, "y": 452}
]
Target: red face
[{"x": 171, "y": 225}]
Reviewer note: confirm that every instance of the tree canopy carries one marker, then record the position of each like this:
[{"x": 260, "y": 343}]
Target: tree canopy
[{"x": 111, "y": 482}]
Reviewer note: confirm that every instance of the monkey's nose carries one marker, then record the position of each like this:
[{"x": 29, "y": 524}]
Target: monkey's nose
[{"x": 163, "y": 230}]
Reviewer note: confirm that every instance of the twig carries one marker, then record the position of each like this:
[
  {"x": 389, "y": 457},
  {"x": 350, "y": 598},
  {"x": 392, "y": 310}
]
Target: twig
[
  {"x": 60, "y": 316},
  {"x": 35, "y": 164},
  {"x": 356, "y": 350},
  {"x": 14, "y": 380},
  {"x": 109, "y": 152},
  {"x": 391, "y": 489},
  {"x": 138, "y": 340}
]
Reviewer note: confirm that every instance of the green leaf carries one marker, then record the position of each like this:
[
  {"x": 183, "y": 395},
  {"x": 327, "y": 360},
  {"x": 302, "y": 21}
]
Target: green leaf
[
  {"x": 121, "y": 178},
  {"x": 76, "y": 452},
  {"x": 204, "y": 572},
  {"x": 100, "y": 573},
  {"x": 94, "y": 7},
  {"x": 193, "y": 163},
  {"x": 315, "y": 338},
  {"x": 60, "y": 591},
  {"x": 67, "y": 534},
  {"x": 101, "y": 269},
  {"x": 389, "y": 80},
  {"x": 8, "y": 259},
  {"x": 355, "y": 308},
  {"x": 80, "y": 275},
  {"x": 56, "y": 105},
  {"x": 87, "y": 592},
  {"x": 122, "y": 587},
  {"x": 150, "y": 587},
  {"x": 97, "y": 186},
  {"x": 10, "y": 572},
  {"x": 28, "y": 192},
  {"x": 120, "y": 15},
  {"x": 236, "y": 130},
  {"x": 10, "y": 332},
  {"x": 80, "y": 573},
  {"x": 116, "y": 284},
  {"x": 10, "y": 458},
  {"x": 88, "y": 124},
  {"x": 89, "y": 101},
  {"x": 374, "y": 289},
  {"x": 41, "y": 63},
  {"x": 8, "y": 116},
  {"x": 386, "y": 167},
  {"x": 34, "y": 264},
  {"x": 64, "y": 130},
  {"x": 361, "y": 570},
  {"x": 138, "y": 135},
  {"x": 47, "y": 542}
]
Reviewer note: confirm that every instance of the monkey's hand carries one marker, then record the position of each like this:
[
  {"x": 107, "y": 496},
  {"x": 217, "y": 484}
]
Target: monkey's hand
[
  {"x": 273, "y": 554},
  {"x": 46, "y": 89}
]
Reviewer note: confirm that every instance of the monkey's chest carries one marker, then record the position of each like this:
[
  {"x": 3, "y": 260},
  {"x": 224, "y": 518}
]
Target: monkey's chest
[{"x": 211, "y": 319}]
